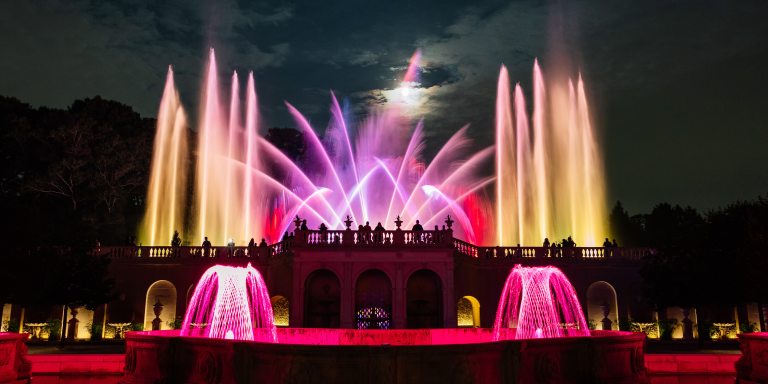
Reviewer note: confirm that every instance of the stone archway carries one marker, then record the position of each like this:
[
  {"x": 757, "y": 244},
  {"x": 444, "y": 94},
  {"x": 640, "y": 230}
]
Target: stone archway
[
  {"x": 602, "y": 306},
  {"x": 468, "y": 312},
  {"x": 322, "y": 300},
  {"x": 161, "y": 292},
  {"x": 373, "y": 300},
  {"x": 423, "y": 300}
]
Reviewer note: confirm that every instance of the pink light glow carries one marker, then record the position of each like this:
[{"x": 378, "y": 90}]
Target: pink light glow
[
  {"x": 538, "y": 302},
  {"x": 230, "y": 303},
  {"x": 412, "y": 74},
  {"x": 369, "y": 171}
]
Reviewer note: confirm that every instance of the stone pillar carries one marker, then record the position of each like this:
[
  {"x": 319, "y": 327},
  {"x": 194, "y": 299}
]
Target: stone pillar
[
  {"x": 157, "y": 309},
  {"x": 399, "y": 305},
  {"x": 347, "y": 305},
  {"x": 399, "y": 236},
  {"x": 687, "y": 325}
]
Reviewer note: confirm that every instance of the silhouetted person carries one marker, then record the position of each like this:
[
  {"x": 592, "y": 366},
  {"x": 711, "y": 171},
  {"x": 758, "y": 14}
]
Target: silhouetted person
[
  {"x": 614, "y": 244},
  {"x": 418, "y": 229},
  {"x": 263, "y": 243},
  {"x": 360, "y": 234},
  {"x": 368, "y": 234},
  {"x": 175, "y": 241},
  {"x": 546, "y": 247},
  {"x": 378, "y": 233},
  {"x": 251, "y": 248},
  {"x": 231, "y": 247},
  {"x": 304, "y": 225},
  {"x": 323, "y": 233},
  {"x": 206, "y": 247},
  {"x": 607, "y": 243}
]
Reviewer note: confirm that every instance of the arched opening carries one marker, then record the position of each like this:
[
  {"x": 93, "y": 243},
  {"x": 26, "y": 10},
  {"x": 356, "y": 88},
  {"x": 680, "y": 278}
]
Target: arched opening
[
  {"x": 190, "y": 292},
  {"x": 424, "y": 305},
  {"x": 322, "y": 300},
  {"x": 160, "y": 306},
  {"x": 468, "y": 312},
  {"x": 373, "y": 300},
  {"x": 280, "y": 311},
  {"x": 602, "y": 306}
]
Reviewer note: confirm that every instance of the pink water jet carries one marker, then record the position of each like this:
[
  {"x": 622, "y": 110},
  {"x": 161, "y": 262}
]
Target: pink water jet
[
  {"x": 538, "y": 302},
  {"x": 230, "y": 303}
]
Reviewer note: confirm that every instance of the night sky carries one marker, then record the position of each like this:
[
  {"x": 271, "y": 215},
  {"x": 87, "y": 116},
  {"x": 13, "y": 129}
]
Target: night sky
[{"x": 679, "y": 89}]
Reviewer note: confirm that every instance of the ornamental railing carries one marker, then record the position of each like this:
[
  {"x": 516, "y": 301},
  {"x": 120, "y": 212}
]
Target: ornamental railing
[
  {"x": 195, "y": 252},
  {"x": 584, "y": 253},
  {"x": 373, "y": 238},
  {"x": 370, "y": 240}
]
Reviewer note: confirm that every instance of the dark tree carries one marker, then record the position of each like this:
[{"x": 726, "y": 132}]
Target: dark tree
[
  {"x": 674, "y": 275},
  {"x": 72, "y": 276},
  {"x": 73, "y": 174},
  {"x": 628, "y": 230}
]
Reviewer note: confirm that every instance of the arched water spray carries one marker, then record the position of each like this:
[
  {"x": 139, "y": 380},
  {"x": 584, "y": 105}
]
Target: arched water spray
[{"x": 538, "y": 302}]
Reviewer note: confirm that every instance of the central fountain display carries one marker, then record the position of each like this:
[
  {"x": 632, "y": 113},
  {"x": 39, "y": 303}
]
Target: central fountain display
[
  {"x": 548, "y": 182},
  {"x": 548, "y": 178}
]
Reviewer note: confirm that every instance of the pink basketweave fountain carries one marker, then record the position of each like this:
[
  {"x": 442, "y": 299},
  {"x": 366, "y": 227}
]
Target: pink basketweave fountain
[
  {"x": 228, "y": 337},
  {"x": 538, "y": 302},
  {"x": 230, "y": 303}
]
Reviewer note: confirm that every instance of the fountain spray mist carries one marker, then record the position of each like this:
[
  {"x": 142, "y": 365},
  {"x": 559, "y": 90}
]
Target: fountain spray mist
[
  {"x": 166, "y": 196},
  {"x": 550, "y": 179}
]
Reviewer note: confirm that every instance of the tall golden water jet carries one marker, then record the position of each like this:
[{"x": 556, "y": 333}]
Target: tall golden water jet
[
  {"x": 166, "y": 195},
  {"x": 550, "y": 180}
]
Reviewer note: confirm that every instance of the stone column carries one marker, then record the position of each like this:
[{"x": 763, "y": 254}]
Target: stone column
[
  {"x": 399, "y": 306},
  {"x": 687, "y": 325},
  {"x": 347, "y": 305}
]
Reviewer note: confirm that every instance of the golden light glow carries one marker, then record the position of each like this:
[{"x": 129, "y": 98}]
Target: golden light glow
[{"x": 280, "y": 311}]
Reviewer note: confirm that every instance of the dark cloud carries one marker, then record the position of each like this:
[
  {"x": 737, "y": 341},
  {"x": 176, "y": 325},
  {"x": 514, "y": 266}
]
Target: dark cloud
[{"x": 677, "y": 86}]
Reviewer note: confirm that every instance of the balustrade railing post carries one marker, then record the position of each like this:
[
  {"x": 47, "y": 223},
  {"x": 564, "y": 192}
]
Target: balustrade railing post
[{"x": 399, "y": 237}]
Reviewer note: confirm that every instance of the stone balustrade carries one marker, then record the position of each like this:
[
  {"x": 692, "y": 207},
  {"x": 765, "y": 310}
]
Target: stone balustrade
[
  {"x": 584, "y": 253},
  {"x": 350, "y": 237},
  {"x": 373, "y": 239}
]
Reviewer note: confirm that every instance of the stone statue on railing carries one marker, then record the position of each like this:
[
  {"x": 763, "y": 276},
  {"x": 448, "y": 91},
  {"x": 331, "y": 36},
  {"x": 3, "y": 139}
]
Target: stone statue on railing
[
  {"x": 399, "y": 236},
  {"x": 349, "y": 235},
  {"x": 448, "y": 235},
  {"x": 301, "y": 228}
]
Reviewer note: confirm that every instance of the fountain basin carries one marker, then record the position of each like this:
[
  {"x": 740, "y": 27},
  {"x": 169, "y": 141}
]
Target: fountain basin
[
  {"x": 392, "y": 356},
  {"x": 752, "y": 366},
  {"x": 14, "y": 366}
]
